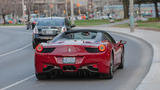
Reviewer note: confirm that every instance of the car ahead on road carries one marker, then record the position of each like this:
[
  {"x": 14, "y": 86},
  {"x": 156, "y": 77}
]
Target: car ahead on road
[
  {"x": 80, "y": 51},
  {"x": 47, "y": 28}
]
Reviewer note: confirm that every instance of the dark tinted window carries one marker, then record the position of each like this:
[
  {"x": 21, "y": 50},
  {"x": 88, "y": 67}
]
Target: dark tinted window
[
  {"x": 106, "y": 36},
  {"x": 51, "y": 22},
  {"x": 80, "y": 35}
]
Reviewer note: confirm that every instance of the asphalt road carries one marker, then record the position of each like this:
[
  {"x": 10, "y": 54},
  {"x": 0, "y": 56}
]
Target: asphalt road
[{"x": 17, "y": 66}]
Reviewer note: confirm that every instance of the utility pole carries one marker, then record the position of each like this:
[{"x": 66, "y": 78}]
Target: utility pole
[
  {"x": 49, "y": 9},
  {"x": 66, "y": 6},
  {"x": 72, "y": 12},
  {"x": 132, "y": 27},
  {"x": 23, "y": 10},
  {"x": 79, "y": 8}
]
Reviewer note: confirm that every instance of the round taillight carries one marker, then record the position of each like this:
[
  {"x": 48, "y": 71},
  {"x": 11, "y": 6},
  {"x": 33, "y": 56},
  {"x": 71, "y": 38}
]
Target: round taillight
[
  {"x": 39, "y": 48},
  {"x": 102, "y": 48}
]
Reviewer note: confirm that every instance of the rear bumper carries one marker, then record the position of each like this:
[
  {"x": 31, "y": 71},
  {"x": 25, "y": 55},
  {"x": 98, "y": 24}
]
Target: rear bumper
[
  {"x": 38, "y": 39},
  {"x": 47, "y": 63}
]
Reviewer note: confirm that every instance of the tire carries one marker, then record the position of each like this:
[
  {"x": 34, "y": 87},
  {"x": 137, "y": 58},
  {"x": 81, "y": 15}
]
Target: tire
[
  {"x": 42, "y": 76},
  {"x": 34, "y": 45},
  {"x": 111, "y": 70},
  {"x": 121, "y": 66}
]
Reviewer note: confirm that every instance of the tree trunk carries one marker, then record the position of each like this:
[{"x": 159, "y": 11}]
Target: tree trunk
[
  {"x": 156, "y": 9},
  {"x": 4, "y": 19},
  {"x": 28, "y": 12},
  {"x": 139, "y": 9},
  {"x": 126, "y": 8}
]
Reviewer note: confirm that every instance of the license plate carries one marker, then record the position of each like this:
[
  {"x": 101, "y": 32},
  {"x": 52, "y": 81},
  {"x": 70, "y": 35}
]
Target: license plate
[
  {"x": 49, "y": 32},
  {"x": 48, "y": 38},
  {"x": 69, "y": 60}
]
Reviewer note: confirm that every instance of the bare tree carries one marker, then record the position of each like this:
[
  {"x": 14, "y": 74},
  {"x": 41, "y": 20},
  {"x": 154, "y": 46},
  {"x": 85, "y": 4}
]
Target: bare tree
[
  {"x": 125, "y": 8},
  {"x": 29, "y": 4},
  {"x": 156, "y": 8},
  {"x": 5, "y": 8}
]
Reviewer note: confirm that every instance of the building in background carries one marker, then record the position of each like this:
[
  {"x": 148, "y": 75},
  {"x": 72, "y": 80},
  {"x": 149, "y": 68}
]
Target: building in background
[{"x": 49, "y": 8}]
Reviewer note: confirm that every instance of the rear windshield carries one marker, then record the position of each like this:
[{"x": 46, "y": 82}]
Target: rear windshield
[
  {"x": 51, "y": 22},
  {"x": 80, "y": 35}
]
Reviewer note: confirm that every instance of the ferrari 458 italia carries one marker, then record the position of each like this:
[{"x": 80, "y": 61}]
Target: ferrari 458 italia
[{"x": 89, "y": 51}]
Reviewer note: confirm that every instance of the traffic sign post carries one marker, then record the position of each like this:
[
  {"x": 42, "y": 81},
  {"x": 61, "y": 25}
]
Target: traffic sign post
[
  {"x": 132, "y": 27},
  {"x": 72, "y": 12}
]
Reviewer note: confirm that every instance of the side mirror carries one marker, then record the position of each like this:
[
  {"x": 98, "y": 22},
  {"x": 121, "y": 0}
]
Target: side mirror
[
  {"x": 123, "y": 42},
  {"x": 73, "y": 26}
]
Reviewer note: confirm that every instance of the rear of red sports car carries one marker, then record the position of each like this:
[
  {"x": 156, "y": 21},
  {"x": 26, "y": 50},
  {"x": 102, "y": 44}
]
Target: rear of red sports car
[
  {"x": 73, "y": 58},
  {"x": 75, "y": 52}
]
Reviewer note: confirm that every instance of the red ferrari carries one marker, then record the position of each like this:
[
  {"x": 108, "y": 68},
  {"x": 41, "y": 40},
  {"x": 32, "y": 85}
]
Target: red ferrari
[{"x": 91, "y": 51}]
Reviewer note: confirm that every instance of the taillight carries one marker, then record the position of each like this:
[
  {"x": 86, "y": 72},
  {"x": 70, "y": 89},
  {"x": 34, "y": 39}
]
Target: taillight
[
  {"x": 94, "y": 65},
  {"x": 39, "y": 48},
  {"x": 102, "y": 48},
  {"x": 35, "y": 31},
  {"x": 63, "y": 29},
  {"x": 45, "y": 66}
]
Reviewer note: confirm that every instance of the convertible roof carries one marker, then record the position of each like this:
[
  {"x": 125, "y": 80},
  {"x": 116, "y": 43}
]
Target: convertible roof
[{"x": 50, "y": 18}]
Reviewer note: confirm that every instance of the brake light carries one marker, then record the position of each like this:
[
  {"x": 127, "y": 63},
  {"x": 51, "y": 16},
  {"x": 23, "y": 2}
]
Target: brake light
[
  {"x": 102, "y": 48},
  {"x": 94, "y": 65},
  {"x": 39, "y": 48},
  {"x": 35, "y": 31},
  {"x": 45, "y": 66}
]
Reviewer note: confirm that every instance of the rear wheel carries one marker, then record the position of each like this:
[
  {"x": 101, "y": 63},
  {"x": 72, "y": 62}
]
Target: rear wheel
[
  {"x": 111, "y": 70},
  {"x": 121, "y": 66}
]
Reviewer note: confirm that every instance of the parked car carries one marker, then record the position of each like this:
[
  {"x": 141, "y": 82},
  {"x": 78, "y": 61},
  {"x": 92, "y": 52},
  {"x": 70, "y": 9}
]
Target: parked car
[
  {"x": 47, "y": 28},
  {"x": 80, "y": 51}
]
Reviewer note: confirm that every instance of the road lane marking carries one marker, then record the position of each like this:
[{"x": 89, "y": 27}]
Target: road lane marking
[
  {"x": 15, "y": 50},
  {"x": 17, "y": 83}
]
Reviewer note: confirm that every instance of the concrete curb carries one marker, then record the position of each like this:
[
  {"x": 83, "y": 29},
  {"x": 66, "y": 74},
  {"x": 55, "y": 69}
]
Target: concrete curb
[{"x": 12, "y": 26}]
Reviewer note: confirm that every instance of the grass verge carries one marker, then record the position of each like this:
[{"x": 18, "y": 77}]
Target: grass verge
[
  {"x": 150, "y": 24},
  {"x": 90, "y": 22}
]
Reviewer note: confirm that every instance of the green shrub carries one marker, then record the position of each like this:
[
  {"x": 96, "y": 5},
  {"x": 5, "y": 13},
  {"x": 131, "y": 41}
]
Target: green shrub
[{"x": 153, "y": 19}]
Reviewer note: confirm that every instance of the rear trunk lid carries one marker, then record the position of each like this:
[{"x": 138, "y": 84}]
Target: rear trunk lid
[{"x": 49, "y": 30}]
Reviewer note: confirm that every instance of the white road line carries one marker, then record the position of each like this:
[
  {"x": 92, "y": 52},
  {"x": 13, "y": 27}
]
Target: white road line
[
  {"x": 15, "y": 50},
  {"x": 17, "y": 83}
]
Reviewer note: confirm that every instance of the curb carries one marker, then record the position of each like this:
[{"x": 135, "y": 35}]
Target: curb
[{"x": 12, "y": 26}]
